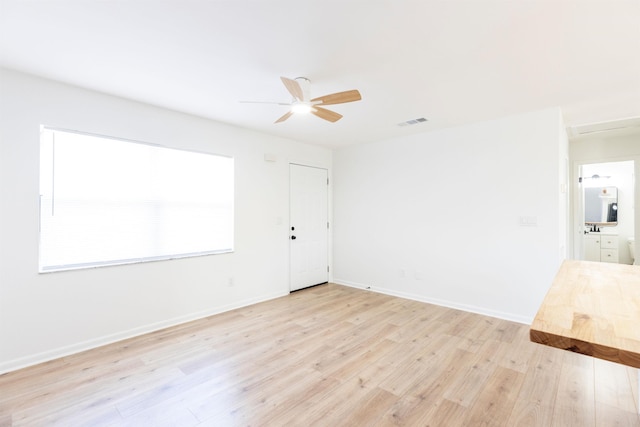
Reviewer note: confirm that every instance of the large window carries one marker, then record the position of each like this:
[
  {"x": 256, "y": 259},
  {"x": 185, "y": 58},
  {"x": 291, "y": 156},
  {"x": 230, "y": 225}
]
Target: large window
[{"x": 106, "y": 201}]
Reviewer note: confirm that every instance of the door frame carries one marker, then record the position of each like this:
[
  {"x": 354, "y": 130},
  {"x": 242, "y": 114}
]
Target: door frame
[{"x": 577, "y": 203}]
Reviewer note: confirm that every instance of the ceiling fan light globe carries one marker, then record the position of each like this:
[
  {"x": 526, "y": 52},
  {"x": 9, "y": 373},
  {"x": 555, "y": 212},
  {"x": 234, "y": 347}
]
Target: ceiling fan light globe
[{"x": 301, "y": 108}]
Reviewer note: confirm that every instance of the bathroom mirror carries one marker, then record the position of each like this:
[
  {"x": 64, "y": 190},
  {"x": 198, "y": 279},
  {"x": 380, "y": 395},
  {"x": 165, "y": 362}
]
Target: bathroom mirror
[{"x": 601, "y": 206}]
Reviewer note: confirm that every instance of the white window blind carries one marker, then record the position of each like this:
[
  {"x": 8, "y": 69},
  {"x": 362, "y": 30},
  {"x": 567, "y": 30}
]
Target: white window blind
[{"x": 106, "y": 201}]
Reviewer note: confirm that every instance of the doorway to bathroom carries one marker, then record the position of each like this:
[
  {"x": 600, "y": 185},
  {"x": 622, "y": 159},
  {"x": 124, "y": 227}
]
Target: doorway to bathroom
[{"x": 605, "y": 212}]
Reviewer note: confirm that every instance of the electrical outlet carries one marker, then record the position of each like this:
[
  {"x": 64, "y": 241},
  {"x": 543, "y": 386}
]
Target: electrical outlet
[
  {"x": 528, "y": 221},
  {"x": 231, "y": 282}
]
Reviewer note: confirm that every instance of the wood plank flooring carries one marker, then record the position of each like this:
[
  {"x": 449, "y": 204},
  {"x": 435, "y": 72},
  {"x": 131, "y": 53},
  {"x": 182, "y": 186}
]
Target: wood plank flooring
[{"x": 326, "y": 356}]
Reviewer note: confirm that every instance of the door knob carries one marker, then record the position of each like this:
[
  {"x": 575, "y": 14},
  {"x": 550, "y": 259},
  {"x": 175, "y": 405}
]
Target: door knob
[{"x": 293, "y": 237}]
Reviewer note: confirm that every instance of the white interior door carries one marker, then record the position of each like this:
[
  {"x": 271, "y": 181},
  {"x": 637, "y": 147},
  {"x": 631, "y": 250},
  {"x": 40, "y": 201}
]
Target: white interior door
[{"x": 308, "y": 227}]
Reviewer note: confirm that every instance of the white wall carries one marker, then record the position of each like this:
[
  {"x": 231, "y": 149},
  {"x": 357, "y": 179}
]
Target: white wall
[
  {"x": 601, "y": 148},
  {"x": 49, "y": 315},
  {"x": 436, "y": 216}
]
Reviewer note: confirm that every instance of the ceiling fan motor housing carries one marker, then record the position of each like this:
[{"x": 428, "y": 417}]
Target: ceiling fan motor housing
[{"x": 305, "y": 85}]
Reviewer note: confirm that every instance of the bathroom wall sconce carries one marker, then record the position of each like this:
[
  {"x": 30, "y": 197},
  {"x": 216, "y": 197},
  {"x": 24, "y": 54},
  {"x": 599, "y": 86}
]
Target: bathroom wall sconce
[{"x": 594, "y": 176}]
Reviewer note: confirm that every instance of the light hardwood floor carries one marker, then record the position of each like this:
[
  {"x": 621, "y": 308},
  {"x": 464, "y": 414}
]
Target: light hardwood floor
[{"x": 326, "y": 356}]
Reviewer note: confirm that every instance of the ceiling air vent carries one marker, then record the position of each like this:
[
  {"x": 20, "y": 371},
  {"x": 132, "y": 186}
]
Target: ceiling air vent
[
  {"x": 413, "y": 122},
  {"x": 588, "y": 128}
]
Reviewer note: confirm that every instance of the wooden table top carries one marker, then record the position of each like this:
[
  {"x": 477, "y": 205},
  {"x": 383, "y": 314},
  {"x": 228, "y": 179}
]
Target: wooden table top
[{"x": 592, "y": 308}]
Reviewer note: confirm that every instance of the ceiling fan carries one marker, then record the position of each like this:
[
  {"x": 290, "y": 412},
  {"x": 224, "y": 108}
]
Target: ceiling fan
[{"x": 302, "y": 103}]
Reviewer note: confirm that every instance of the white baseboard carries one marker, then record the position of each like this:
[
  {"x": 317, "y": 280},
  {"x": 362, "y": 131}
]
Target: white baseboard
[
  {"x": 444, "y": 303},
  {"x": 23, "y": 362}
]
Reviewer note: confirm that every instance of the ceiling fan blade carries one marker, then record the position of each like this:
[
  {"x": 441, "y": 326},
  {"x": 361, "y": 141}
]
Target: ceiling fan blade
[
  {"x": 264, "y": 102},
  {"x": 328, "y": 115},
  {"x": 339, "y": 98},
  {"x": 285, "y": 117},
  {"x": 293, "y": 87}
]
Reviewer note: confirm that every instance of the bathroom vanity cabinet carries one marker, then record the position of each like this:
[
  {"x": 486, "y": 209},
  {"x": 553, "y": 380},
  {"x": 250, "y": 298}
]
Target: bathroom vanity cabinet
[{"x": 601, "y": 247}]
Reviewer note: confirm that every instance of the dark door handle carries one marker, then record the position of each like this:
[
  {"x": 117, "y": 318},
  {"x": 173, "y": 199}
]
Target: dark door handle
[{"x": 293, "y": 237}]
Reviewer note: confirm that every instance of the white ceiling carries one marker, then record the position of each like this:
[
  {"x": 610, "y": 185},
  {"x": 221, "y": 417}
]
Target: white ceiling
[{"x": 452, "y": 62}]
